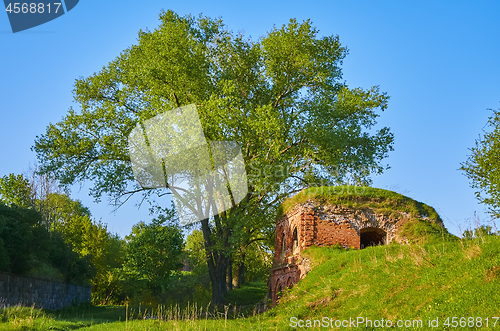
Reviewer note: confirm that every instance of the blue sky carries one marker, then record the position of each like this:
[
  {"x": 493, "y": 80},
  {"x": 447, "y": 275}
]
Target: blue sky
[{"x": 438, "y": 61}]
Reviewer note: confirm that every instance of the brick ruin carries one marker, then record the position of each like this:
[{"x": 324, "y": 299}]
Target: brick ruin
[{"x": 311, "y": 224}]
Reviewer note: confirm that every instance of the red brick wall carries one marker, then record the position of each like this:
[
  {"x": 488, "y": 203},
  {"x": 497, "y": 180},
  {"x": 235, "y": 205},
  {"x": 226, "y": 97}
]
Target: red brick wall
[
  {"x": 329, "y": 233},
  {"x": 322, "y": 226},
  {"x": 282, "y": 278},
  {"x": 311, "y": 230}
]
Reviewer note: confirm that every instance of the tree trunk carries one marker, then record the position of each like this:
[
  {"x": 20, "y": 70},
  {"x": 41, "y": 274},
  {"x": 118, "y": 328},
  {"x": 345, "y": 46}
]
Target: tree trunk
[
  {"x": 229, "y": 274},
  {"x": 217, "y": 266},
  {"x": 219, "y": 284},
  {"x": 241, "y": 271}
]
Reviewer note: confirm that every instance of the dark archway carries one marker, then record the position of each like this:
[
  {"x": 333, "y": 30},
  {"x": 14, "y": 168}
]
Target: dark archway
[
  {"x": 289, "y": 282},
  {"x": 283, "y": 246},
  {"x": 372, "y": 237},
  {"x": 295, "y": 242},
  {"x": 279, "y": 290}
]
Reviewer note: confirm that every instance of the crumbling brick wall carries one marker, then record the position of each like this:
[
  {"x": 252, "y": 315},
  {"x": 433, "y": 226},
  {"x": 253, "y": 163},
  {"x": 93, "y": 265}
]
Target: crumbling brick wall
[
  {"x": 303, "y": 227},
  {"x": 285, "y": 276},
  {"x": 314, "y": 224}
]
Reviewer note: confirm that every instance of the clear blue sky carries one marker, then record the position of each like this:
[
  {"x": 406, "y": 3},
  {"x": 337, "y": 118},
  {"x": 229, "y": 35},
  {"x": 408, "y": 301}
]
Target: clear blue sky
[{"x": 438, "y": 61}]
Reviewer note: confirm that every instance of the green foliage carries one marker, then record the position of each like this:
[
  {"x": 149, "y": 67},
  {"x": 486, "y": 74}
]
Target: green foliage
[
  {"x": 75, "y": 269},
  {"x": 154, "y": 252},
  {"x": 482, "y": 166},
  {"x": 62, "y": 211},
  {"x": 75, "y": 249},
  {"x": 24, "y": 240},
  {"x": 258, "y": 260},
  {"x": 106, "y": 251},
  {"x": 28, "y": 248},
  {"x": 15, "y": 190},
  {"x": 479, "y": 232},
  {"x": 196, "y": 254}
]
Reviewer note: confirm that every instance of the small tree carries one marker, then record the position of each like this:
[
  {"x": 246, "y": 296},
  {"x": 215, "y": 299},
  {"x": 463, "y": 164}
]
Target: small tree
[
  {"x": 483, "y": 166},
  {"x": 154, "y": 252},
  {"x": 15, "y": 191}
]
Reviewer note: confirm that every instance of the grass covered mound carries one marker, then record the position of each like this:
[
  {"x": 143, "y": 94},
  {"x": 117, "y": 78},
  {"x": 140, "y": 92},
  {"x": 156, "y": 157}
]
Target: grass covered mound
[
  {"x": 396, "y": 282},
  {"x": 423, "y": 226}
]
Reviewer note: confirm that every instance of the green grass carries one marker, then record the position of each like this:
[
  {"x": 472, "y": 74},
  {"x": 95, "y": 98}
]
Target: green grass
[
  {"x": 250, "y": 293},
  {"x": 410, "y": 282},
  {"x": 451, "y": 279},
  {"x": 28, "y": 318}
]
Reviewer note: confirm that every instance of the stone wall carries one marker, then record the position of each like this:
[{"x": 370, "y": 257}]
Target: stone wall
[{"x": 26, "y": 291}]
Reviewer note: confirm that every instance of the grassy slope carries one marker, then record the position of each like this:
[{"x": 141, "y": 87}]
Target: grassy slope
[
  {"x": 399, "y": 282},
  {"x": 449, "y": 279},
  {"x": 360, "y": 197}
]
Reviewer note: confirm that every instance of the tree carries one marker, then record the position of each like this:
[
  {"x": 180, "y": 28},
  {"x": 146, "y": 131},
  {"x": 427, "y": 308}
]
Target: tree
[
  {"x": 483, "y": 166},
  {"x": 154, "y": 251},
  {"x": 40, "y": 192},
  {"x": 105, "y": 250},
  {"x": 281, "y": 99},
  {"x": 22, "y": 238},
  {"x": 15, "y": 191},
  {"x": 196, "y": 255}
]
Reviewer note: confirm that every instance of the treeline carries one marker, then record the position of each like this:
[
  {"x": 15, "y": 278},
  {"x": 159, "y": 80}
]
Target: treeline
[
  {"x": 44, "y": 233},
  {"x": 26, "y": 247}
]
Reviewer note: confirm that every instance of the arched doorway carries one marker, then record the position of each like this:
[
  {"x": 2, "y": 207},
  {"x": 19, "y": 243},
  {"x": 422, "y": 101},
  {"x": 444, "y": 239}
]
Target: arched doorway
[{"x": 372, "y": 237}]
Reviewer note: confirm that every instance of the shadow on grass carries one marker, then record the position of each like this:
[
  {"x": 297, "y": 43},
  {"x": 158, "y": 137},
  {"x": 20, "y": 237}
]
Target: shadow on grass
[{"x": 88, "y": 312}]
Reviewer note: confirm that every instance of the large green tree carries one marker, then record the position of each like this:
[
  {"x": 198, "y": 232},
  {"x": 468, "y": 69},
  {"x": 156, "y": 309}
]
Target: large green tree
[
  {"x": 483, "y": 166},
  {"x": 281, "y": 98}
]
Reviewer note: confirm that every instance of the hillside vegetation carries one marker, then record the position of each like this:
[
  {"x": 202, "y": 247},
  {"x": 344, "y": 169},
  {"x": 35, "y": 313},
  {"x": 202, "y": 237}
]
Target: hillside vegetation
[
  {"x": 401, "y": 283},
  {"x": 413, "y": 282},
  {"x": 361, "y": 197}
]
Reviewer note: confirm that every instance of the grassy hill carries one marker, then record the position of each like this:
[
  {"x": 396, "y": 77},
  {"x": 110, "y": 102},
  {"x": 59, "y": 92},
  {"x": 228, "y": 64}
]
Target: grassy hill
[
  {"x": 414, "y": 282},
  {"x": 418, "y": 282}
]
